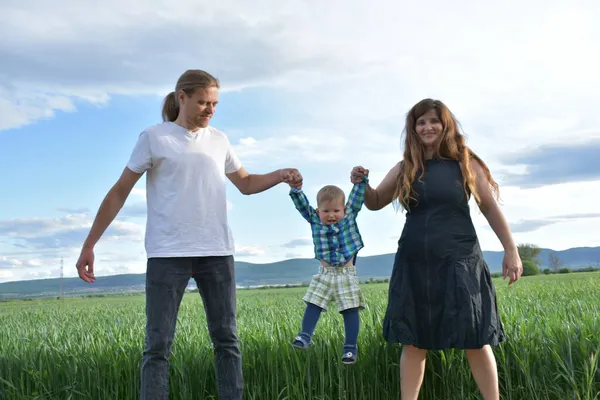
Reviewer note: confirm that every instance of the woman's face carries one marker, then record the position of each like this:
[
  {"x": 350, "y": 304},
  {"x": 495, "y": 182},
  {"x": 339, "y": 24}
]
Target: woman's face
[{"x": 429, "y": 128}]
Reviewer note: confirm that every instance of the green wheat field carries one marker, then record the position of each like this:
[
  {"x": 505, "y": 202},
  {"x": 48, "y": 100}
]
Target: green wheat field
[{"x": 90, "y": 348}]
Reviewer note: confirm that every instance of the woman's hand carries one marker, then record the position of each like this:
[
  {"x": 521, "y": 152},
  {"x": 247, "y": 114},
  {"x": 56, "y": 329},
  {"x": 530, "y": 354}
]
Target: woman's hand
[
  {"x": 512, "y": 266},
  {"x": 357, "y": 174}
]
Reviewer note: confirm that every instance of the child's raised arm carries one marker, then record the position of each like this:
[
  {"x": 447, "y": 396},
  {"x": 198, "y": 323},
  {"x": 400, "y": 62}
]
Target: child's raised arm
[
  {"x": 303, "y": 205},
  {"x": 357, "y": 196}
]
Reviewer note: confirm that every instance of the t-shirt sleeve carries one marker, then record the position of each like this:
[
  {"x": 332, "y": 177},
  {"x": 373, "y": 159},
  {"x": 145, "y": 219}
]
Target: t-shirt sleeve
[
  {"x": 141, "y": 157},
  {"x": 232, "y": 162}
]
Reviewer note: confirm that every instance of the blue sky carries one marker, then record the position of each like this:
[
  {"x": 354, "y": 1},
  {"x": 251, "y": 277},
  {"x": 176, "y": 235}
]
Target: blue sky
[{"x": 318, "y": 88}]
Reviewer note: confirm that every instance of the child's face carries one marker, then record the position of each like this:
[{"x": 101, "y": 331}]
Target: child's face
[{"x": 331, "y": 211}]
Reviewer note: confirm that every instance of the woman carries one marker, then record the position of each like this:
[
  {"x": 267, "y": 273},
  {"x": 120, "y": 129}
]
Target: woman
[{"x": 441, "y": 293}]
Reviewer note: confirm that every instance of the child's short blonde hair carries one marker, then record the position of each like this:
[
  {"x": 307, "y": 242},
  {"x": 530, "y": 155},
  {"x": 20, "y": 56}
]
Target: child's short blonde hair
[{"x": 330, "y": 193}]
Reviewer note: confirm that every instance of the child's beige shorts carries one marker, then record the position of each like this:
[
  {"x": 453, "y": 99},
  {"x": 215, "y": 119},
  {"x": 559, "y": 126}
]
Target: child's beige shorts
[{"x": 339, "y": 284}]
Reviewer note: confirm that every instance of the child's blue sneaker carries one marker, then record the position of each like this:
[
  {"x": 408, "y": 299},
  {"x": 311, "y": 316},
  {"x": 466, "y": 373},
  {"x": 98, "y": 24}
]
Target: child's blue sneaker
[
  {"x": 301, "y": 342},
  {"x": 350, "y": 354}
]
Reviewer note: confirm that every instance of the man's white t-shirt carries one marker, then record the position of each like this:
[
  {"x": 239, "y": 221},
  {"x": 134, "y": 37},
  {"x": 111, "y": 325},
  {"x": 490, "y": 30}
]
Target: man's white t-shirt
[{"x": 185, "y": 190}]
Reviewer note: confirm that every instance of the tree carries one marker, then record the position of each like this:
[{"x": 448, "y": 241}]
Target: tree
[
  {"x": 530, "y": 268},
  {"x": 554, "y": 262},
  {"x": 529, "y": 252}
]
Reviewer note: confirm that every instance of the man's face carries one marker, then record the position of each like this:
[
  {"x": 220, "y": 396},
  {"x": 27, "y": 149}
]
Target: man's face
[{"x": 200, "y": 107}]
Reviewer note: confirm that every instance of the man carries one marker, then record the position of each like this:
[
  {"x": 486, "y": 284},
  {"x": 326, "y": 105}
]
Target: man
[{"x": 187, "y": 232}]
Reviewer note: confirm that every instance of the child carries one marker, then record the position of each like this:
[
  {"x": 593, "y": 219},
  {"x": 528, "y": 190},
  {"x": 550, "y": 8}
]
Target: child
[{"x": 336, "y": 241}]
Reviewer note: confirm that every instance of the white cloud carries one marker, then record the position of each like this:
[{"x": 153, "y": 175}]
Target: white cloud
[
  {"x": 135, "y": 210},
  {"x": 293, "y": 147},
  {"x": 571, "y": 208},
  {"x": 6, "y": 275},
  {"x": 33, "y": 227},
  {"x": 63, "y": 232},
  {"x": 512, "y": 78},
  {"x": 77, "y": 50},
  {"x": 18, "y": 110},
  {"x": 36, "y": 246},
  {"x": 249, "y": 251},
  {"x": 138, "y": 193},
  {"x": 530, "y": 225},
  {"x": 117, "y": 261},
  {"x": 9, "y": 263},
  {"x": 300, "y": 242},
  {"x": 67, "y": 210}
]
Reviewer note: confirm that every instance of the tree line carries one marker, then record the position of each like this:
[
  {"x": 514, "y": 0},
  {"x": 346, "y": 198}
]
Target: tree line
[{"x": 532, "y": 265}]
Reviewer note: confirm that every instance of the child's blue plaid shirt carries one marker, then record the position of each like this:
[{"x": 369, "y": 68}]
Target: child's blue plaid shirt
[{"x": 336, "y": 243}]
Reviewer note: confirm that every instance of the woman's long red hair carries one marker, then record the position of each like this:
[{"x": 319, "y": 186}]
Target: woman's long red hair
[{"x": 451, "y": 145}]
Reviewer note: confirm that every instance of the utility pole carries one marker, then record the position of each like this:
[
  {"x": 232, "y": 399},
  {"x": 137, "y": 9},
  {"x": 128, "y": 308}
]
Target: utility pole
[{"x": 61, "y": 277}]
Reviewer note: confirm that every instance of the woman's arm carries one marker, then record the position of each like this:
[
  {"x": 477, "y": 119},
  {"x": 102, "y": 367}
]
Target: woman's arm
[
  {"x": 511, "y": 264},
  {"x": 376, "y": 199},
  {"x": 490, "y": 209}
]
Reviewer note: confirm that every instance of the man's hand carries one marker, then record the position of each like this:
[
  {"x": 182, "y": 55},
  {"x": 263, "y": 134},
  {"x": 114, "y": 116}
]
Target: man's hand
[
  {"x": 292, "y": 177},
  {"x": 358, "y": 173},
  {"x": 85, "y": 265}
]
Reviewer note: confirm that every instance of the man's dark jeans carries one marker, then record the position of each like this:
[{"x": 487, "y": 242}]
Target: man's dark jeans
[{"x": 166, "y": 281}]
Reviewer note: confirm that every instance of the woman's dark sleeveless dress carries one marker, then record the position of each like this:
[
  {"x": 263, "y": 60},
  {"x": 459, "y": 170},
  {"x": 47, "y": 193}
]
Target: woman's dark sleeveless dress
[{"x": 441, "y": 293}]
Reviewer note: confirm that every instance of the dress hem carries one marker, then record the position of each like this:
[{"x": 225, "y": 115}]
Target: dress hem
[{"x": 462, "y": 346}]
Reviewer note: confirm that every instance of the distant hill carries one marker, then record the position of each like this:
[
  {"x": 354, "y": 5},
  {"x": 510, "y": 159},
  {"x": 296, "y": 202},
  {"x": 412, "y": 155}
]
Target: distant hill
[{"x": 291, "y": 271}]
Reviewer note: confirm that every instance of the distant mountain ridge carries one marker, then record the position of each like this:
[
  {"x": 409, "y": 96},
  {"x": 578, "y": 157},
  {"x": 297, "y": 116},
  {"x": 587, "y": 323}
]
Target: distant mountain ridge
[{"x": 292, "y": 271}]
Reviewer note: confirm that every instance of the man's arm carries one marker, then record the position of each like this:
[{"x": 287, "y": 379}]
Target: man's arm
[
  {"x": 111, "y": 205},
  {"x": 139, "y": 162},
  {"x": 302, "y": 204},
  {"x": 109, "y": 208},
  {"x": 254, "y": 183}
]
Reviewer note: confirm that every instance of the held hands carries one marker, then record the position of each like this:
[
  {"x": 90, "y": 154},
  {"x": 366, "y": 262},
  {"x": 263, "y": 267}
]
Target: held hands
[
  {"x": 292, "y": 177},
  {"x": 512, "y": 266},
  {"x": 358, "y": 173}
]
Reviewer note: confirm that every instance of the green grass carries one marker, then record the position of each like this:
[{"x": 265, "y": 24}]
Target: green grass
[{"x": 91, "y": 348}]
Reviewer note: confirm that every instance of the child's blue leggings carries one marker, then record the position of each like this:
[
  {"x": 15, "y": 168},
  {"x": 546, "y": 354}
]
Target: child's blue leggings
[{"x": 351, "y": 323}]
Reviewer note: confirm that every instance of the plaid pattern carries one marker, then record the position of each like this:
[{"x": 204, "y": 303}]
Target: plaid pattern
[
  {"x": 339, "y": 284},
  {"x": 336, "y": 243}
]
